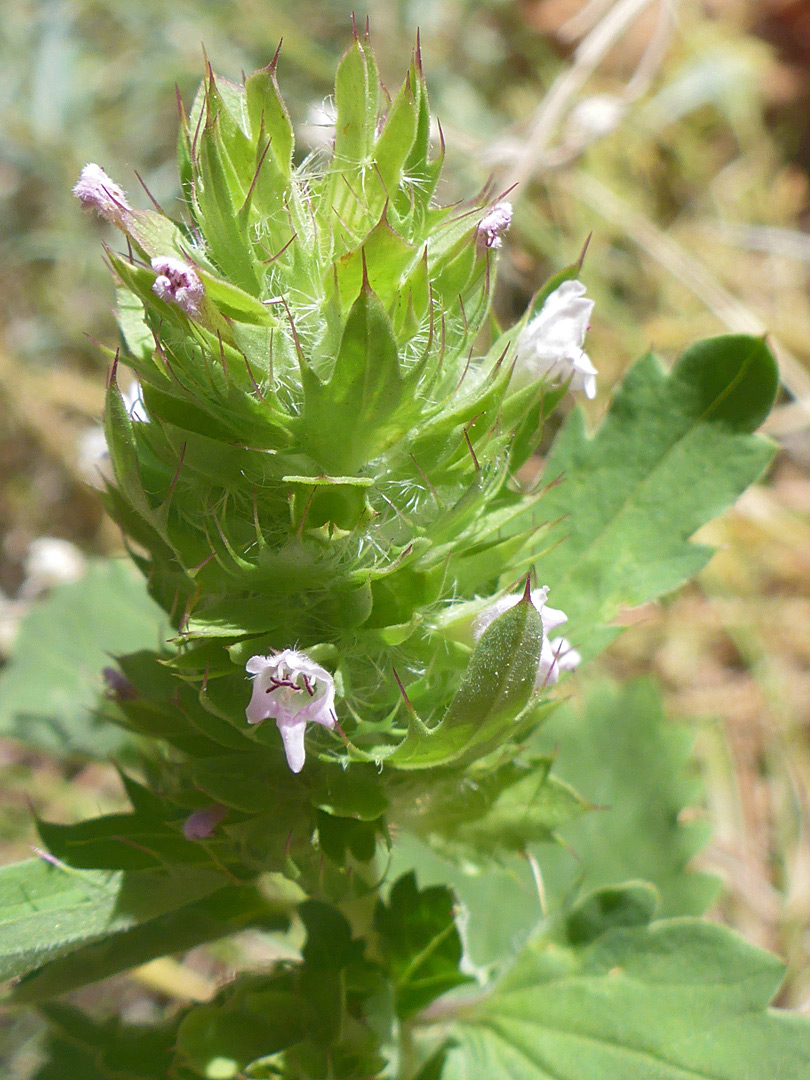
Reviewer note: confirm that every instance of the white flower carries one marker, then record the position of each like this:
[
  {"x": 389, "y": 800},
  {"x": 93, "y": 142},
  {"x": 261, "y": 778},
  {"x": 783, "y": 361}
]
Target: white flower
[
  {"x": 294, "y": 691},
  {"x": 133, "y": 403},
  {"x": 494, "y": 224},
  {"x": 551, "y": 345},
  {"x": 556, "y": 654},
  {"x": 95, "y": 190},
  {"x": 177, "y": 283}
]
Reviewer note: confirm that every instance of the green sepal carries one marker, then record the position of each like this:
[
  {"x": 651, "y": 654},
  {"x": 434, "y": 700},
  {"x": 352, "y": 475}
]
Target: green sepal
[
  {"x": 396, "y": 138},
  {"x": 356, "y": 97},
  {"x": 269, "y": 117},
  {"x": 497, "y": 686},
  {"x": 227, "y": 241}
]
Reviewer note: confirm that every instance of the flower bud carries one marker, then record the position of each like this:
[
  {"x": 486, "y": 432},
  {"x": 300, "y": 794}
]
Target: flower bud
[
  {"x": 200, "y": 824},
  {"x": 556, "y": 655},
  {"x": 94, "y": 189},
  {"x": 494, "y": 224}
]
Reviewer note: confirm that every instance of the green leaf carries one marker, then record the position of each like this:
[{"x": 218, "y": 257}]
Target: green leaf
[
  {"x": 673, "y": 452},
  {"x": 499, "y": 812},
  {"x": 225, "y": 911},
  {"x": 622, "y": 753},
  {"x": 420, "y": 940},
  {"x": 49, "y": 909},
  {"x": 673, "y": 1000},
  {"x": 53, "y": 679}
]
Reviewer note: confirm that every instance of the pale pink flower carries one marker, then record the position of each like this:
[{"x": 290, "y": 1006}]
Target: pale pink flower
[
  {"x": 293, "y": 690},
  {"x": 177, "y": 283},
  {"x": 95, "y": 190},
  {"x": 550, "y": 347},
  {"x": 494, "y": 224}
]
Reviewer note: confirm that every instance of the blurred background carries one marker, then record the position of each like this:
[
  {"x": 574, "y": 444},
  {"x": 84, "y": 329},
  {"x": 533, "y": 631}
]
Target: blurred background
[{"x": 676, "y": 132}]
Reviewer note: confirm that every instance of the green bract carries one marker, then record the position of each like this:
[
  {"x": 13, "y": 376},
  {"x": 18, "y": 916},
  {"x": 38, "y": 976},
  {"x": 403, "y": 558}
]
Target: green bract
[
  {"x": 321, "y": 490},
  {"x": 326, "y": 460}
]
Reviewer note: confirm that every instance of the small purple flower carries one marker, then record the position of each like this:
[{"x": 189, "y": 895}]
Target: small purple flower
[
  {"x": 200, "y": 824},
  {"x": 119, "y": 687},
  {"x": 95, "y": 190},
  {"x": 177, "y": 283},
  {"x": 294, "y": 691},
  {"x": 494, "y": 224},
  {"x": 556, "y": 655}
]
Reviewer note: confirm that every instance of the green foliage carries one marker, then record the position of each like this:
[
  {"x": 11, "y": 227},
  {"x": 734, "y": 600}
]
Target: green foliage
[
  {"x": 620, "y": 750},
  {"x": 420, "y": 942},
  {"x": 673, "y": 451},
  {"x": 622, "y": 754},
  {"x": 49, "y": 909},
  {"x": 612, "y": 995},
  {"x": 49, "y": 690}
]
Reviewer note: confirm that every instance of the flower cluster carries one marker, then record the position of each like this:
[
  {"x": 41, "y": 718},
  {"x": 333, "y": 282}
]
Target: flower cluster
[{"x": 96, "y": 191}]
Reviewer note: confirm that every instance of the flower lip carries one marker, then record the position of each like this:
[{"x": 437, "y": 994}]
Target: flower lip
[
  {"x": 293, "y": 690},
  {"x": 551, "y": 345}
]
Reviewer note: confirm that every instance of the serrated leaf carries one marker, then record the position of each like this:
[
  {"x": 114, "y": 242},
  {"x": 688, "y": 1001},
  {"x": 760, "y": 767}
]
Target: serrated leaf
[
  {"x": 420, "y": 940},
  {"x": 668, "y": 1001},
  {"x": 621, "y": 752},
  {"x": 53, "y": 679},
  {"x": 673, "y": 452},
  {"x": 48, "y": 910}
]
